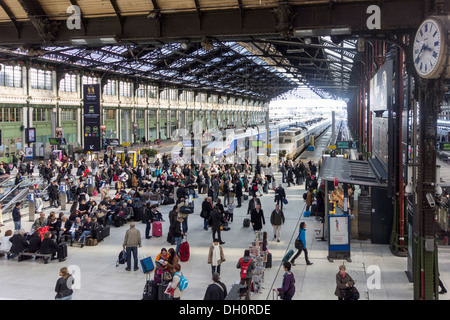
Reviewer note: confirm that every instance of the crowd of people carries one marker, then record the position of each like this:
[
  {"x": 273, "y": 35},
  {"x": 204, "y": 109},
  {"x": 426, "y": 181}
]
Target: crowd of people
[{"x": 130, "y": 192}]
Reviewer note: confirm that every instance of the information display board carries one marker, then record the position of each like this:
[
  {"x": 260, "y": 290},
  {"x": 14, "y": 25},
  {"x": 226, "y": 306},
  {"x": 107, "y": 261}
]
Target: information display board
[
  {"x": 338, "y": 237},
  {"x": 91, "y": 117}
]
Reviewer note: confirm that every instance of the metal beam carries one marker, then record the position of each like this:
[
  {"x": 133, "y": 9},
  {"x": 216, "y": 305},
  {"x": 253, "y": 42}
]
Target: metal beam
[
  {"x": 45, "y": 28},
  {"x": 231, "y": 25},
  {"x": 10, "y": 16},
  {"x": 117, "y": 13}
]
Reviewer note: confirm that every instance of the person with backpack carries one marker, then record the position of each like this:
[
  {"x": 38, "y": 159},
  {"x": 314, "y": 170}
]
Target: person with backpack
[
  {"x": 216, "y": 290},
  {"x": 179, "y": 283},
  {"x": 247, "y": 265}
]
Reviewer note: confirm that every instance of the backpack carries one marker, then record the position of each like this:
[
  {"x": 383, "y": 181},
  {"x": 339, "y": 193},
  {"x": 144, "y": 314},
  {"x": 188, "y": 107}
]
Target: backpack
[
  {"x": 122, "y": 258},
  {"x": 183, "y": 281},
  {"x": 244, "y": 267},
  {"x": 304, "y": 196}
]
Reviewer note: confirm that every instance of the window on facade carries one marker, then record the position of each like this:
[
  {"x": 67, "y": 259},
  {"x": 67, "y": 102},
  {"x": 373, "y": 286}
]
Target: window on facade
[
  {"x": 110, "y": 114},
  {"x": 173, "y": 94},
  {"x": 42, "y": 114},
  {"x": 110, "y": 88},
  {"x": 10, "y": 114},
  {"x": 68, "y": 115},
  {"x": 165, "y": 94},
  {"x": 152, "y": 92},
  {"x": 140, "y": 93},
  {"x": 41, "y": 79},
  {"x": 89, "y": 80},
  {"x": 139, "y": 114},
  {"x": 10, "y": 76},
  {"x": 69, "y": 83},
  {"x": 189, "y": 96},
  {"x": 125, "y": 89}
]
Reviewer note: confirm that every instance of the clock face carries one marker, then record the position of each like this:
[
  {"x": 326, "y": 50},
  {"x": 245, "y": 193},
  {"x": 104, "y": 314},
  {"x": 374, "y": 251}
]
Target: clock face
[{"x": 428, "y": 49}]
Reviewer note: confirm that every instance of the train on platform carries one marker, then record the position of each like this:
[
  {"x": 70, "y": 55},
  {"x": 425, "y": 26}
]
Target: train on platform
[
  {"x": 296, "y": 140},
  {"x": 293, "y": 136}
]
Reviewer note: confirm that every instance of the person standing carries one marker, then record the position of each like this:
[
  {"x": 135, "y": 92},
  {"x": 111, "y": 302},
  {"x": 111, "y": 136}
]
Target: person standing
[
  {"x": 216, "y": 218},
  {"x": 257, "y": 218},
  {"x": 287, "y": 290},
  {"x": 247, "y": 265},
  {"x": 131, "y": 243},
  {"x": 216, "y": 290},
  {"x": 64, "y": 285},
  {"x": 343, "y": 282},
  {"x": 238, "y": 192},
  {"x": 300, "y": 244},
  {"x": 215, "y": 256},
  {"x": 277, "y": 220},
  {"x": 17, "y": 218}
]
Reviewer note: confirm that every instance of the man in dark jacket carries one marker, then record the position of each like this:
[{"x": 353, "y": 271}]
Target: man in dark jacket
[
  {"x": 19, "y": 243},
  {"x": 252, "y": 203},
  {"x": 276, "y": 220},
  {"x": 238, "y": 191},
  {"x": 217, "y": 290},
  {"x": 53, "y": 192},
  {"x": 280, "y": 195},
  {"x": 216, "y": 217},
  {"x": 17, "y": 217},
  {"x": 257, "y": 218}
]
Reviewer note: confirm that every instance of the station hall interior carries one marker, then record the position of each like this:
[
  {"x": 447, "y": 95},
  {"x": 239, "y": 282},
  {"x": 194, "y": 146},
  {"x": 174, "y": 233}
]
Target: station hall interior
[{"x": 354, "y": 86}]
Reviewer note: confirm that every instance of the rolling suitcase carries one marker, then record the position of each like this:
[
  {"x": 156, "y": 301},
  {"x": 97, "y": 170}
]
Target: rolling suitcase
[
  {"x": 161, "y": 289},
  {"x": 157, "y": 229},
  {"x": 268, "y": 263},
  {"x": 63, "y": 251},
  {"x": 246, "y": 223},
  {"x": 150, "y": 290},
  {"x": 288, "y": 255},
  {"x": 138, "y": 213},
  {"x": 184, "y": 251}
]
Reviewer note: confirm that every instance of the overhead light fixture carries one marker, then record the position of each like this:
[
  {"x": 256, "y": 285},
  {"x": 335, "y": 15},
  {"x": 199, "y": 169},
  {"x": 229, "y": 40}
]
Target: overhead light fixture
[
  {"x": 333, "y": 31},
  {"x": 295, "y": 50},
  {"x": 307, "y": 41},
  {"x": 87, "y": 41}
]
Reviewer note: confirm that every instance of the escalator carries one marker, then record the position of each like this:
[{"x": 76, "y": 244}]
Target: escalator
[{"x": 10, "y": 193}]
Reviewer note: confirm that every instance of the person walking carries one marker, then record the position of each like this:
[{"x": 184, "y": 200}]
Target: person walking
[
  {"x": 280, "y": 195},
  {"x": 277, "y": 220},
  {"x": 257, "y": 218},
  {"x": 343, "y": 282},
  {"x": 287, "y": 291},
  {"x": 300, "y": 245},
  {"x": 215, "y": 256},
  {"x": 216, "y": 290},
  {"x": 64, "y": 285},
  {"x": 131, "y": 243},
  {"x": 247, "y": 265}
]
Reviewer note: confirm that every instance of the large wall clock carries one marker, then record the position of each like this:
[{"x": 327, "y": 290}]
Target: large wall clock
[{"x": 430, "y": 48}]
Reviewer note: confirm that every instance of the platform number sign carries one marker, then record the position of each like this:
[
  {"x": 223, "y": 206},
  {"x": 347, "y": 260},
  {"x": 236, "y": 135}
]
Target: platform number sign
[{"x": 91, "y": 117}]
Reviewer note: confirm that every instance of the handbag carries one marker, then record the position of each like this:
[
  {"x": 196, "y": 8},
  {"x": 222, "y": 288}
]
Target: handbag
[{"x": 285, "y": 201}]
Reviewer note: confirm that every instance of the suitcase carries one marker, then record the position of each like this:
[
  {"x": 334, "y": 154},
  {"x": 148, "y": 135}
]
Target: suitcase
[
  {"x": 268, "y": 263},
  {"x": 157, "y": 229},
  {"x": 245, "y": 197},
  {"x": 184, "y": 251},
  {"x": 63, "y": 251},
  {"x": 150, "y": 290},
  {"x": 138, "y": 213},
  {"x": 117, "y": 222},
  {"x": 246, "y": 223},
  {"x": 147, "y": 264},
  {"x": 161, "y": 295},
  {"x": 288, "y": 255},
  {"x": 102, "y": 233}
]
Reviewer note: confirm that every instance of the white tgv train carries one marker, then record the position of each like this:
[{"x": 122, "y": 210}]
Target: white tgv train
[{"x": 295, "y": 140}]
